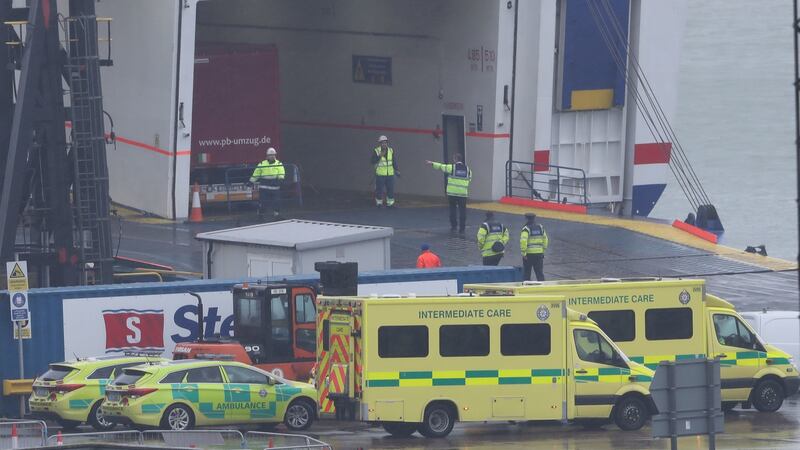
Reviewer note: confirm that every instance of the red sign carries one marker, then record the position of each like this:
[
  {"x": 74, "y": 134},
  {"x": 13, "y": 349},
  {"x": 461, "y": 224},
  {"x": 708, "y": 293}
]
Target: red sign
[{"x": 131, "y": 329}]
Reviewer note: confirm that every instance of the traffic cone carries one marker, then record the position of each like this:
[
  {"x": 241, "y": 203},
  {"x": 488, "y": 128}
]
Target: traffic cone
[
  {"x": 14, "y": 437},
  {"x": 197, "y": 210},
  {"x": 59, "y": 439}
]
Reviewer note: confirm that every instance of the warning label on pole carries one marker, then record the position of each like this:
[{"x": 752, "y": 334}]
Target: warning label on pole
[{"x": 17, "y": 276}]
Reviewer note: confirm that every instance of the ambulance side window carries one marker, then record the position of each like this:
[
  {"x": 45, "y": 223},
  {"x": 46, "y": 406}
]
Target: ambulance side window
[
  {"x": 529, "y": 339},
  {"x": 409, "y": 341},
  {"x": 174, "y": 377},
  {"x": 731, "y": 331},
  {"x": 102, "y": 373},
  {"x": 464, "y": 340},
  {"x": 620, "y": 326},
  {"x": 592, "y": 347},
  {"x": 668, "y": 323},
  {"x": 204, "y": 375}
]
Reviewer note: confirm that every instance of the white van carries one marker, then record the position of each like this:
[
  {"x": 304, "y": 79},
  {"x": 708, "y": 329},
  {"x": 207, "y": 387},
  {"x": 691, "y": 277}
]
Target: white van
[{"x": 779, "y": 328}]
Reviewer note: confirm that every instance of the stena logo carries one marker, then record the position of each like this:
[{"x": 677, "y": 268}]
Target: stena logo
[
  {"x": 542, "y": 313},
  {"x": 133, "y": 329},
  {"x": 684, "y": 297},
  {"x": 214, "y": 324}
]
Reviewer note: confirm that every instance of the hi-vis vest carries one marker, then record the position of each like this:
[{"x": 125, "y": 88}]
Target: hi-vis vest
[
  {"x": 385, "y": 167},
  {"x": 494, "y": 232},
  {"x": 269, "y": 173},
  {"x": 458, "y": 178},
  {"x": 533, "y": 240}
]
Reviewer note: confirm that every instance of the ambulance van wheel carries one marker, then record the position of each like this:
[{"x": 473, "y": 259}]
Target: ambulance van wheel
[
  {"x": 728, "y": 406},
  {"x": 767, "y": 396},
  {"x": 96, "y": 419},
  {"x": 630, "y": 413},
  {"x": 400, "y": 429},
  {"x": 438, "y": 420},
  {"x": 177, "y": 417},
  {"x": 299, "y": 415}
]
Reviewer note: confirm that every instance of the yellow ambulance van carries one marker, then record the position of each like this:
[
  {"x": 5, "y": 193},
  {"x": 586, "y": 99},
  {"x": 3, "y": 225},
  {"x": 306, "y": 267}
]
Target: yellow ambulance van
[
  {"x": 655, "y": 319},
  {"x": 421, "y": 364}
]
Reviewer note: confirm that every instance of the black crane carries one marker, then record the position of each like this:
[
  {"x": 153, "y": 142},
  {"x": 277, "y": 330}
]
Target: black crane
[{"x": 54, "y": 202}]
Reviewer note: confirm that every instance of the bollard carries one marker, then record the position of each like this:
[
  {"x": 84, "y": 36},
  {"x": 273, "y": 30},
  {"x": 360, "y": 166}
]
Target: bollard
[
  {"x": 271, "y": 443},
  {"x": 14, "y": 437},
  {"x": 59, "y": 439}
]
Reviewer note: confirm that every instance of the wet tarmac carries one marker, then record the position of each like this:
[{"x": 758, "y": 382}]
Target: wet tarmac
[
  {"x": 744, "y": 429},
  {"x": 577, "y": 250}
]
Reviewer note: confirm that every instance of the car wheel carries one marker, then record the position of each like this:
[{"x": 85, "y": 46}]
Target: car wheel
[
  {"x": 299, "y": 415},
  {"x": 400, "y": 429},
  {"x": 767, "y": 396},
  {"x": 630, "y": 413},
  {"x": 178, "y": 418},
  {"x": 438, "y": 421},
  {"x": 96, "y": 419}
]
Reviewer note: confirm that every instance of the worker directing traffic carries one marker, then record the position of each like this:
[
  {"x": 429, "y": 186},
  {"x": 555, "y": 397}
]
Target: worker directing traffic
[
  {"x": 385, "y": 169},
  {"x": 458, "y": 179},
  {"x": 492, "y": 240},
  {"x": 533, "y": 242},
  {"x": 269, "y": 175}
]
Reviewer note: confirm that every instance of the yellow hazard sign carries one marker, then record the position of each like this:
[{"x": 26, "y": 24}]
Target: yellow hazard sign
[
  {"x": 17, "y": 275},
  {"x": 24, "y": 327}
]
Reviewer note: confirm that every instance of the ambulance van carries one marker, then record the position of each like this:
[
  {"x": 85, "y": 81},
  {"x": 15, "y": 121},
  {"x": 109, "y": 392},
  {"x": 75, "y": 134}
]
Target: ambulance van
[
  {"x": 422, "y": 364},
  {"x": 654, "y": 320}
]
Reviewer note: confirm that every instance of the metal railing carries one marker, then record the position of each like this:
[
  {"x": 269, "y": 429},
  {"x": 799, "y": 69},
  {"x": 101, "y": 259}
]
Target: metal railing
[
  {"x": 236, "y": 179},
  {"x": 208, "y": 439},
  {"x": 22, "y": 433},
  {"x": 131, "y": 437},
  {"x": 546, "y": 182},
  {"x": 282, "y": 441}
]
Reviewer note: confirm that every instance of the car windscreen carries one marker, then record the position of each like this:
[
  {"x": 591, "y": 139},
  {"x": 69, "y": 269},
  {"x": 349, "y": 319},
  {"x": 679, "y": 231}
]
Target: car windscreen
[
  {"x": 129, "y": 376},
  {"x": 56, "y": 373}
]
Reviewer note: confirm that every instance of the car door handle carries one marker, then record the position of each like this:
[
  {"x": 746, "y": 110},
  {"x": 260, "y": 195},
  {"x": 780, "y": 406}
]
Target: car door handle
[
  {"x": 581, "y": 371},
  {"x": 236, "y": 390},
  {"x": 722, "y": 355}
]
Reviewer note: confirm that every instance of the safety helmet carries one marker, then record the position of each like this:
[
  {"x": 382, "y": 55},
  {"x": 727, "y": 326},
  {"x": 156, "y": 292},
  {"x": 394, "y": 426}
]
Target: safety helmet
[
  {"x": 383, "y": 139},
  {"x": 271, "y": 152}
]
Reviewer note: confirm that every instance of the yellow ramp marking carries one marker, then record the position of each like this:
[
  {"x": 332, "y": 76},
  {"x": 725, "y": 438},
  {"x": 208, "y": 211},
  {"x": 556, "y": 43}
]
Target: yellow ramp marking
[{"x": 659, "y": 230}]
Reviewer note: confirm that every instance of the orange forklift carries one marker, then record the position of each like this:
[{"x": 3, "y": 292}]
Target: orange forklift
[{"x": 274, "y": 324}]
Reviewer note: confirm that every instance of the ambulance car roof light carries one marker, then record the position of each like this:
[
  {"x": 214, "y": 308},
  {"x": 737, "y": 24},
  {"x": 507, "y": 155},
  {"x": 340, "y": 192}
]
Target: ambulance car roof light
[
  {"x": 412, "y": 295},
  {"x": 392, "y": 296},
  {"x": 532, "y": 283},
  {"x": 610, "y": 280},
  {"x": 464, "y": 294},
  {"x": 373, "y": 295}
]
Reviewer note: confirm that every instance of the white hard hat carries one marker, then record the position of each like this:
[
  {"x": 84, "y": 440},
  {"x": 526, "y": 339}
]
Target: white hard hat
[
  {"x": 383, "y": 139},
  {"x": 271, "y": 151}
]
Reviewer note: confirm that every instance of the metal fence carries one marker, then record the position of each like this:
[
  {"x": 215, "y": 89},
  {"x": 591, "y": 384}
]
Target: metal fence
[
  {"x": 282, "y": 441},
  {"x": 236, "y": 179},
  {"x": 32, "y": 434},
  {"x": 22, "y": 433},
  {"x": 546, "y": 182},
  {"x": 116, "y": 437},
  {"x": 194, "y": 438}
]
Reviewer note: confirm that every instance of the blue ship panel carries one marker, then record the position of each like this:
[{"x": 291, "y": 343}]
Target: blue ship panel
[{"x": 590, "y": 77}]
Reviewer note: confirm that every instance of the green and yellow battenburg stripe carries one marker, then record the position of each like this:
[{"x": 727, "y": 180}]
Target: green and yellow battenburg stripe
[
  {"x": 607, "y": 375},
  {"x": 651, "y": 361},
  {"x": 748, "y": 358},
  {"x": 465, "y": 377}
]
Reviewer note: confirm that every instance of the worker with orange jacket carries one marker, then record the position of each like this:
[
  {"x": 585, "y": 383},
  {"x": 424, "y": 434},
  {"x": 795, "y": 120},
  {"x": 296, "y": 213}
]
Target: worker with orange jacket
[{"x": 427, "y": 259}]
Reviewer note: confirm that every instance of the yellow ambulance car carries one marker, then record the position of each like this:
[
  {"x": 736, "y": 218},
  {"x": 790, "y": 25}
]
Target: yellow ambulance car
[
  {"x": 654, "y": 320},
  {"x": 421, "y": 364}
]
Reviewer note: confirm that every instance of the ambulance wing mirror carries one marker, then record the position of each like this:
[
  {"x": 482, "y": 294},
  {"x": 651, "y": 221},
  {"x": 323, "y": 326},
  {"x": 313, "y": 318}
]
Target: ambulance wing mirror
[{"x": 199, "y": 315}]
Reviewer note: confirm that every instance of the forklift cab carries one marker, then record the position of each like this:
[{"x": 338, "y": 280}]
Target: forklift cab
[{"x": 275, "y": 323}]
